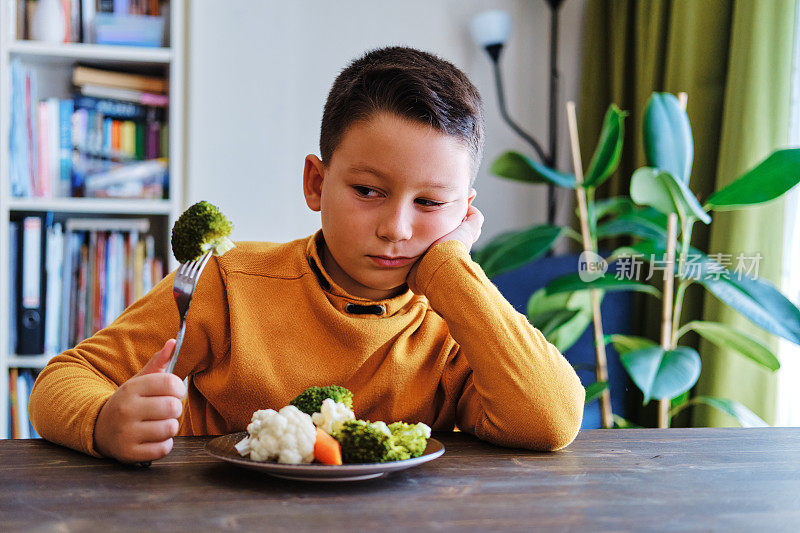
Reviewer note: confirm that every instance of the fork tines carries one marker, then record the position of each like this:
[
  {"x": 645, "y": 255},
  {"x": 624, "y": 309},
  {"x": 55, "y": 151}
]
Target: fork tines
[{"x": 192, "y": 269}]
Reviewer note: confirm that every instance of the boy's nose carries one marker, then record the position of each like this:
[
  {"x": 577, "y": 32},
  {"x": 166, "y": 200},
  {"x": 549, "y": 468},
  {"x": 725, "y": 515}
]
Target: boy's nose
[{"x": 395, "y": 226}]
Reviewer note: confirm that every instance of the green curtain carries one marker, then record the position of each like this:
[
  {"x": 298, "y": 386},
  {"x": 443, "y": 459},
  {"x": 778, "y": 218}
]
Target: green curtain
[
  {"x": 755, "y": 122},
  {"x": 733, "y": 59}
]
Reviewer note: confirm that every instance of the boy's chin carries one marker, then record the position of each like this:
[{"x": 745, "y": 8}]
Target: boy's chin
[{"x": 384, "y": 284}]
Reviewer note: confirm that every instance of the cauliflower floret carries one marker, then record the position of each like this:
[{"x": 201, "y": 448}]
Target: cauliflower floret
[
  {"x": 287, "y": 435},
  {"x": 381, "y": 426},
  {"x": 332, "y": 415}
]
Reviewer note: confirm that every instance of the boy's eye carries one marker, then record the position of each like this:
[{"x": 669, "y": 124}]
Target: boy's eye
[
  {"x": 364, "y": 191},
  {"x": 428, "y": 203}
]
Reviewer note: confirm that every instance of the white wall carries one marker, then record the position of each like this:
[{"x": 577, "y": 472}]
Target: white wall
[{"x": 259, "y": 73}]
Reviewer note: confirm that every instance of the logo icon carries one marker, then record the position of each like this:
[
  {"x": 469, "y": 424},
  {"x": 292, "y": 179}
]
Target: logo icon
[{"x": 591, "y": 266}]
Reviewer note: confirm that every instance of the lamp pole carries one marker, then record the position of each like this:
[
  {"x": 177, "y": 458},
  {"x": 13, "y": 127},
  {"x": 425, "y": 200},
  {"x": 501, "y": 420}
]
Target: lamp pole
[
  {"x": 554, "y": 79},
  {"x": 495, "y": 25}
]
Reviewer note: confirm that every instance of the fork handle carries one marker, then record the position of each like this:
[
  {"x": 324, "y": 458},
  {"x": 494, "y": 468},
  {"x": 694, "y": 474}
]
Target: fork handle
[
  {"x": 178, "y": 342},
  {"x": 171, "y": 367}
]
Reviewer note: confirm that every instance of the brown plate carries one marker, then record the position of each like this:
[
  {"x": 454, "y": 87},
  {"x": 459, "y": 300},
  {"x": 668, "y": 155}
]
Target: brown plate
[{"x": 223, "y": 448}]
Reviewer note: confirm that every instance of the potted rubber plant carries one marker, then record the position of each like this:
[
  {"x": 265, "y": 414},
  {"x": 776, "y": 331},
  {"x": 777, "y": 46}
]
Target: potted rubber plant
[{"x": 661, "y": 212}]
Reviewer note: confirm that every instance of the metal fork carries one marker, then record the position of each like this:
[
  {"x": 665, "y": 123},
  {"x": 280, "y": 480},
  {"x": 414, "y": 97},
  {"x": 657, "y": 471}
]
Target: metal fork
[
  {"x": 182, "y": 290},
  {"x": 183, "y": 286}
]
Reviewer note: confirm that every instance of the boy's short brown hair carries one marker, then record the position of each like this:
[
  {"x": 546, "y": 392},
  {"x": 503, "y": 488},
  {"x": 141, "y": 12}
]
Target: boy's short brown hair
[{"x": 412, "y": 84}]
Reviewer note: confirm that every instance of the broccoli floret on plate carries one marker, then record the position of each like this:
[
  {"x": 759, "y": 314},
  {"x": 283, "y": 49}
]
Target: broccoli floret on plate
[
  {"x": 202, "y": 227},
  {"x": 310, "y": 400},
  {"x": 364, "y": 442},
  {"x": 375, "y": 442},
  {"x": 411, "y": 437}
]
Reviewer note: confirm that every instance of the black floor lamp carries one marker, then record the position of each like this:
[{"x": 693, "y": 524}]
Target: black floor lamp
[{"x": 490, "y": 30}]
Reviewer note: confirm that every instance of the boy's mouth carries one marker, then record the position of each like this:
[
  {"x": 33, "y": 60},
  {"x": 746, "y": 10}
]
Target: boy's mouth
[{"x": 386, "y": 261}]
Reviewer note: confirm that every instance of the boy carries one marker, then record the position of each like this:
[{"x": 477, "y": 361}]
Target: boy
[{"x": 384, "y": 300}]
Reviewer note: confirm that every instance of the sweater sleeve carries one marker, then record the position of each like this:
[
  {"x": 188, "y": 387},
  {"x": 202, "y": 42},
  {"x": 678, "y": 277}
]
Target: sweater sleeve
[
  {"x": 522, "y": 392},
  {"x": 70, "y": 391}
]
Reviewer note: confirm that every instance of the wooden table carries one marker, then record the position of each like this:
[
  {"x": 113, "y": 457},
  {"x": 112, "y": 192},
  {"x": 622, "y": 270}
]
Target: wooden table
[{"x": 649, "y": 479}]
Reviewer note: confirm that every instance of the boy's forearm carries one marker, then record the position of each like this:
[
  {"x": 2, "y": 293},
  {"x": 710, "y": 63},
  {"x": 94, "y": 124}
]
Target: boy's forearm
[
  {"x": 80, "y": 380},
  {"x": 79, "y": 394},
  {"x": 524, "y": 391}
]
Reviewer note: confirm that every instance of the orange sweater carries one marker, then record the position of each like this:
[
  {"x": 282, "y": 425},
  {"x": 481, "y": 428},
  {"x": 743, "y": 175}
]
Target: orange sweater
[{"x": 266, "y": 322}]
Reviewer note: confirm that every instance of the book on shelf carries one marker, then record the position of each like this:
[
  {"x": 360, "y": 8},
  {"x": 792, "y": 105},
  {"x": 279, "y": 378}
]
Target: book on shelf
[
  {"x": 20, "y": 384},
  {"x": 102, "y": 21},
  {"x": 13, "y": 247},
  {"x": 30, "y": 287},
  {"x": 83, "y": 75},
  {"x": 126, "y": 95},
  {"x": 57, "y": 145},
  {"x": 93, "y": 269},
  {"x": 13, "y": 409}
]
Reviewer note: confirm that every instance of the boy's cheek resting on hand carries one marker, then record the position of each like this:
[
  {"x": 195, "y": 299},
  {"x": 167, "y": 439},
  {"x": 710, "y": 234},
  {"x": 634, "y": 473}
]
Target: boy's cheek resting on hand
[
  {"x": 467, "y": 232},
  {"x": 138, "y": 421}
]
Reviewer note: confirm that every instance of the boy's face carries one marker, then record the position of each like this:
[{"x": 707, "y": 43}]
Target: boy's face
[{"x": 391, "y": 188}]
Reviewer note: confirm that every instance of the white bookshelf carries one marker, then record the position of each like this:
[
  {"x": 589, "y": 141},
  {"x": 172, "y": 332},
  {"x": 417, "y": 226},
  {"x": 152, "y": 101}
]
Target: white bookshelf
[{"x": 53, "y": 64}]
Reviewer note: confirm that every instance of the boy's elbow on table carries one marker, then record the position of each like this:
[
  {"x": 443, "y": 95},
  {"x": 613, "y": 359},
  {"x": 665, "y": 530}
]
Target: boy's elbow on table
[{"x": 536, "y": 427}]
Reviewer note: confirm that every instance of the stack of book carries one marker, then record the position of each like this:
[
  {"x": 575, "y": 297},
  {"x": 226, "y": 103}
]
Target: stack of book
[
  {"x": 110, "y": 140},
  {"x": 71, "y": 279}
]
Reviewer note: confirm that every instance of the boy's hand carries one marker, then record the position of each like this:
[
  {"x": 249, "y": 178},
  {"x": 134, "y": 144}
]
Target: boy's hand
[
  {"x": 467, "y": 232},
  {"x": 138, "y": 421}
]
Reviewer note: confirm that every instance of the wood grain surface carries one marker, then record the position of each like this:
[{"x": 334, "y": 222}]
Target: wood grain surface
[{"x": 607, "y": 480}]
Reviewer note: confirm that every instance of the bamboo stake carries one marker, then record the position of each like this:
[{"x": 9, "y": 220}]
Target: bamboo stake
[
  {"x": 666, "y": 308},
  {"x": 667, "y": 302},
  {"x": 601, "y": 369}
]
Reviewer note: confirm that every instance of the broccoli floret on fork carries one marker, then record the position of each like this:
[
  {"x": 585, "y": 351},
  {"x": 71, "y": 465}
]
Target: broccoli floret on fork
[{"x": 199, "y": 229}]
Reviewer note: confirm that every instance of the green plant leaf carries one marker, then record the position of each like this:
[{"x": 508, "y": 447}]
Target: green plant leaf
[
  {"x": 609, "y": 148},
  {"x": 757, "y": 299},
  {"x": 616, "y": 205},
  {"x": 562, "y": 318},
  {"x": 480, "y": 255},
  {"x": 679, "y": 400},
  {"x": 631, "y": 224},
  {"x": 668, "y": 143},
  {"x": 573, "y": 282},
  {"x": 621, "y": 423},
  {"x": 742, "y": 414},
  {"x": 595, "y": 390},
  {"x": 725, "y": 336},
  {"x": 559, "y": 318},
  {"x": 659, "y": 189},
  {"x": 770, "y": 179},
  {"x": 517, "y": 167},
  {"x": 514, "y": 249},
  {"x": 628, "y": 343},
  {"x": 662, "y": 374}
]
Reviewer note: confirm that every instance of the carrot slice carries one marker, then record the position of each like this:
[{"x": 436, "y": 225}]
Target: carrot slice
[{"x": 327, "y": 449}]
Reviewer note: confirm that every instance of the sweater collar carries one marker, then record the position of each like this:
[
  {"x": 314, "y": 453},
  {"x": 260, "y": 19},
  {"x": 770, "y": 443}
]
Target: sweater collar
[{"x": 344, "y": 301}]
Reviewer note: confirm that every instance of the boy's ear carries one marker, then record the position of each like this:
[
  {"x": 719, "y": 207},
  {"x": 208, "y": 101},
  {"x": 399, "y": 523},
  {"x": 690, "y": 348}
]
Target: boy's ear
[
  {"x": 313, "y": 176},
  {"x": 472, "y": 193}
]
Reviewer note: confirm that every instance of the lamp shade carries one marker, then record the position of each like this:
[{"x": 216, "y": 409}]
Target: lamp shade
[{"x": 490, "y": 27}]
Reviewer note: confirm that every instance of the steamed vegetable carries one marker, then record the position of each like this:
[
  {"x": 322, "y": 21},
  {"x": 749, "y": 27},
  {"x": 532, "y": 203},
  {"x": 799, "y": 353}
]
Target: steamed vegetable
[
  {"x": 310, "y": 400},
  {"x": 332, "y": 415},
  {"x": 202, "y": 227},
  {"x": 375, "y": 442},
  {"x": 287, "y": 436},
  {"x": 412, "y": 437},
  {"x": 327, "y": 449},
  {"x": 320, "y": 425}
]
